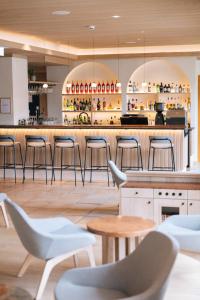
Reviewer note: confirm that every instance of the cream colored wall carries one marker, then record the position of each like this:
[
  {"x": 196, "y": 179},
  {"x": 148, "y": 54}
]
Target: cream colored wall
[{"x": 14, "y": 85}]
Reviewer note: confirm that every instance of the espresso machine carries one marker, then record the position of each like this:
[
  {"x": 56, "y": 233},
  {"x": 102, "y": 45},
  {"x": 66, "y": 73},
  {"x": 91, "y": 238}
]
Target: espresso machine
[{"x": 159, "y": 108}]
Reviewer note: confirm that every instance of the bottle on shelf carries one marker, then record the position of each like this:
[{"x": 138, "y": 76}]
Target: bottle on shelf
[
  {"x": 90, "y": 88},
  {"x": 112, "y": 87},
  {"x": 98, "y": 104},
  {"x": 77, "y": 88},
  {"x": 154, "y": 89},
  {"x": 149, "y": 87},
  {"x": 68, "y": 89},
  {"x": 103, "y": 87},
  {"x": 172, "y": 88},
  {"x": 99, "y": 87},
  {"x": 116, "y": 87},
  {"x": 176, "y": 89},
  {"x": 107, "y": 87},
  {"x": 188, "y": 104},
  {"x": 161, "y": 88},
  {"x": 134, "y": 87},
  {"x": 86, "y": 88},
  {"x": 130, "y": 87},
  {"x": 81, "y": 88},
  {"x": 73, "y": 88},
  {"x": 104, "y": 104},
  {"x": 180, "y": 90},
  {"x": 129, "y": 107},
  {"x": 157, "y": 88}
]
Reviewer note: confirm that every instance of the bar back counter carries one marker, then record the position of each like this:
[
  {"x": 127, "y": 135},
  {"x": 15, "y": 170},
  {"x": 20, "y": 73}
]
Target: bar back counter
[{"x": 178, "y": 133}]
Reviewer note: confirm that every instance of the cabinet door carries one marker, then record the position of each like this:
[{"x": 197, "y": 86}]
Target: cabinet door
[
  {"x": 140, "y": 207},
  {"x": 166, "y": 207},
  {"x": 193, "y": 207}
]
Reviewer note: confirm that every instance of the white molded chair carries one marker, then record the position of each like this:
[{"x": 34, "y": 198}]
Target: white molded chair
[
  {"x": 118, "y": 176},
  {"x": 3, "y": 209},
  {"x": 52, "y": 240},
  {"x": 185, "y": 229},
  {"x": 143, "y": 275}
]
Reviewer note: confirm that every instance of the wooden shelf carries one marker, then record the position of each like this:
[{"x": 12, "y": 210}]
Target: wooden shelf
[
  {"x": 91, "y": 94},
  {"x": 92, "y": 111},
  {"x": 42, "y": 82},
  {"x": 142, "y": 93}
]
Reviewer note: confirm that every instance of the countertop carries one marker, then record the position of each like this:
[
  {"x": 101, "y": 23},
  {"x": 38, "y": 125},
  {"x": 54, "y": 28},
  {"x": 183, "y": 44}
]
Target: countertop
[
  {"x": 162, "y": 185},
  {"x": 60, "y": 126}
]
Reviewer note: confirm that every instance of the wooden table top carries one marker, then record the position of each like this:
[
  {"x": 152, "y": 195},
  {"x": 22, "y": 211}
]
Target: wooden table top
[{"x": 121, "y": 226}]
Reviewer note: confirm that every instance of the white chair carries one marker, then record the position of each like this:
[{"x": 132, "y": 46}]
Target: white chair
[
  {"x": 185, "y": 229},
  {"x": 143, "y": 275},
  {"x": 52, "y": 240},
  {"x": 2, "y": 206},
  {"x": 118, "y": 176}
]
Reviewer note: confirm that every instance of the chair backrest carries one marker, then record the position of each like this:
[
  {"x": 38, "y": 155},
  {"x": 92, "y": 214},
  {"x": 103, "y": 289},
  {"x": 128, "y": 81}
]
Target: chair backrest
[
  {"x": 144, "y": 274},
  {"x": 118, "y": 176},
  {"x": 36, "y": 138},
  {"x": 95, "y": 139},
  {"x": 36, "y": 243}
]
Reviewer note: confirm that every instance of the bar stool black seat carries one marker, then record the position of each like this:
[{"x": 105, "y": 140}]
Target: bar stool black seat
[
  {"x": 129, "y": 142},
  {"x": 161, "y": 143},
  {"x": 37, "y": 142},
  {"x": 9, "y": 142},
  {"x": 67, "y": 142},
  {"x": 97, "y": 143}
]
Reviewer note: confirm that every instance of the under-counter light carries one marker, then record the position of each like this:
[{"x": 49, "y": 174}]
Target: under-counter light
[
  {"x": 131, "y": 42},
  {"x": 61, "y": 12}
]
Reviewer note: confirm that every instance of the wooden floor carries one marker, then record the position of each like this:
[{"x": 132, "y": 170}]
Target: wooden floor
[{"x": 79, "y": 205}]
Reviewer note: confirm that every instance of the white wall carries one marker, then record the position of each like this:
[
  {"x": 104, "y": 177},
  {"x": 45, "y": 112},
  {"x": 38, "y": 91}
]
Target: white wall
[{"x": 14, "y": 85}]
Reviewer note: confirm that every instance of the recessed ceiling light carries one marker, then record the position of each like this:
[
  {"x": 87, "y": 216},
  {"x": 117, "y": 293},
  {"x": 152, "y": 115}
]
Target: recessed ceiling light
[
  {"x": 131, "y": 42},
  {"x": 116, "y": 17},
  {"x": 61, "y": 12}
]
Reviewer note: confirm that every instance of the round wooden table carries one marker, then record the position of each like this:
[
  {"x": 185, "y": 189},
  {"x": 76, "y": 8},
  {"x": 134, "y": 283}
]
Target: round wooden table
[{"x": 120, "y": 234}]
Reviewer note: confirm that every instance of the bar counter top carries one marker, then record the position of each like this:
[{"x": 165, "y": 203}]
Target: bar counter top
[{"x": 57, "y": 126}]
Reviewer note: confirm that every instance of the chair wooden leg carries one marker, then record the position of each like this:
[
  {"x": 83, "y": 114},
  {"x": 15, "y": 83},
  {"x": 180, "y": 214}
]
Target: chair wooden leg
[
  {"x": 25, "y": 265},
  {"x": 91, "y": 256},
  {"x": 4, "y": 214},
  {"x": 75, "y": 259}
]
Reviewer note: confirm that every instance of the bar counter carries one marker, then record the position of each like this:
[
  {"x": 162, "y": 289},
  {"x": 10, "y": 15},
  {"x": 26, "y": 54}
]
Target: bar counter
[{"x": 179, "y": 134}]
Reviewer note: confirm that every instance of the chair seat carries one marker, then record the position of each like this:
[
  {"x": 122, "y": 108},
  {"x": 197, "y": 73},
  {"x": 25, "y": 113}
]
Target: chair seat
[
  {"x": 66, "y": 145},
  {"x": 8, "y": 144},
  {"x": 37, "y": 144},
  {"x": 161, "y": 145},
  {"x": 97, "y": 145},
  {"x": 67, "y": 289},
  {"x": 128, "y": 145}
]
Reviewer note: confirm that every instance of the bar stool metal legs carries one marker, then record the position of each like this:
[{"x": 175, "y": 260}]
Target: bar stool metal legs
[
  {"x": 160, "y": 143},
  {"x": 131, "y": 143},
  {"x": 37, "y": 143},
  {"x": 67, "y": 142},
  {"x": 96, "y": 143},
  {"x": 9, "y": 142}
]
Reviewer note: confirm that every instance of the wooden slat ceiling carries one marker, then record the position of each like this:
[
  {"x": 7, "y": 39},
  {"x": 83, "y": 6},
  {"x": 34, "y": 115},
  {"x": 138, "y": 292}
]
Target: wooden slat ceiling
[{"x": 165, "y": 22}]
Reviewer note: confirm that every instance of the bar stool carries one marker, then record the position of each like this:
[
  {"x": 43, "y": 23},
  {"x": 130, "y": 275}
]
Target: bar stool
[
  {"x": 129, "y": 142},
  {"x": 37, "y": 142},
  {"x": 66, "y": 142},
  {"x": 9, "y": 142},
  {"x": 161, "y": 143},
  {"x": 98, "y": 143}
]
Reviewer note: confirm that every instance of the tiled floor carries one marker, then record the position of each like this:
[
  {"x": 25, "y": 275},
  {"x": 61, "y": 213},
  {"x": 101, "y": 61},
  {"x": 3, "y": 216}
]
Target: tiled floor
[{"x": 79, "y": 205}]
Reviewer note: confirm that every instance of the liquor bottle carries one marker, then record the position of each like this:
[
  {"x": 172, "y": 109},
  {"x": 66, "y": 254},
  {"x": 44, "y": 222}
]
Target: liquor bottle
[
  {"x": 112, "y": 87},
  {"x": 161, "y": 88},
  {"x": 116, "y": 87},
  {"x": 107, "y": 87},
  {"x": 184, "y": 90},
  {"x": 98, "y": 104},
  {"x": 165, "y": 88},
  {"x": 130, "y": 87},
  {"x": 77, "y": 105},
  {"x": 133, "y": 104},
  {"x": 103, "y": 87},
  {"x": 149, "y": 87},
  {"x": 168, "y": 88},
  {"x": 86, "y": 88},
  {"x": 99, "y": 87},
  {"x": 180, "y": 89},
  {"x": 134, "y": 87},
  {"x": 172, "y": 88},
  {"x": 95, "y": 89},
  {"x": 129, "y": 105},
  {"x": 90, "y": 88},
  {"x": 176, "y": 89},
  {"x": 68, "y": 89},
  {"x": 74, "y": 104},
  {"x": 73, "y": 87},
  {"x": 81, "y": 88},
  {"x": 77, "y": 88},
  {"x": 188, "y": 104},
  {"x": 104, "y": 104},
  {"x": 157, "y": 88},
  {"x": 188, "y": 88},
  {"x": 154, "y": 88}
]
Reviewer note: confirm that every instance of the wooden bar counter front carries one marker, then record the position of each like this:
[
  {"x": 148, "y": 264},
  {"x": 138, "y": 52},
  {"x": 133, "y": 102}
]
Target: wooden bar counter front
[{"x": 179, "y": 135}]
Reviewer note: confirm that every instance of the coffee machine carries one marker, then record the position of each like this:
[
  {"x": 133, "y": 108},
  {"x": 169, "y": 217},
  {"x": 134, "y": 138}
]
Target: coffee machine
[{"x": 159, "y": 108}]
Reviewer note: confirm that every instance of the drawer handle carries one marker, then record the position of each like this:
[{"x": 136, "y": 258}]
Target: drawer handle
[
  {"x": 166, "y": 194},
  {"x": 182, "y": 203},
  {"x": 136, "y": 193},
  {"x": 173, "y": 194},
  {"x": 191, "y": 204},
  {"x": 160, "y": 193},
  {"x": 180, "y": 194},
  {"x": 149, "y": 202}
]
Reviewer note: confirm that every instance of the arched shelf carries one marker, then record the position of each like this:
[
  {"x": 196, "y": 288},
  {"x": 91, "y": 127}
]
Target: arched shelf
[
  {"x": 92, "y": 100},
  {"x": 144, "y": 88}
]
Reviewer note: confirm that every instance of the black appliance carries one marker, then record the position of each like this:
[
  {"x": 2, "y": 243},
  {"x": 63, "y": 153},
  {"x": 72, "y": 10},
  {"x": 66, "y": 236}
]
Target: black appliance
[
  {"x": 176, "y": 117},
  {"x": 159, "y": 119},
  {"x": 134, "y": 119}
]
